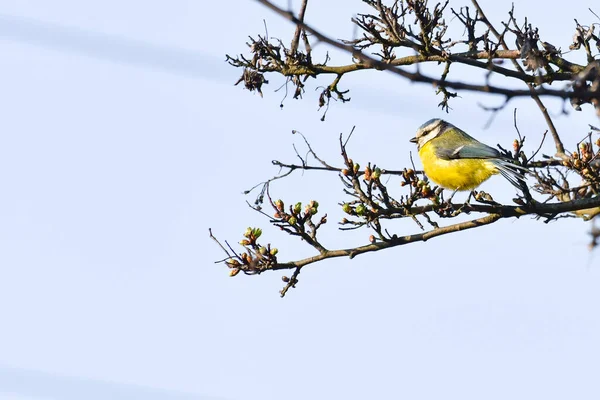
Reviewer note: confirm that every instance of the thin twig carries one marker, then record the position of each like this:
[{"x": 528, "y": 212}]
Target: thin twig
[
  {"x": 560, "y": 149},
  {"x": 296, "y": 39}
]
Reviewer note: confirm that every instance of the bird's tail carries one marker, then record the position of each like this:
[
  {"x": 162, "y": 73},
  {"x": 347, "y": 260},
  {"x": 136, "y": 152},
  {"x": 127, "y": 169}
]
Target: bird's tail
[{"x": 513, "y": 173}]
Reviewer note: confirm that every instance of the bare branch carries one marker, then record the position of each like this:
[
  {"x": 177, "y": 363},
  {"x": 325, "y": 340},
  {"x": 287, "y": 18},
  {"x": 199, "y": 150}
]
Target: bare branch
[{"x": 368, "y": 62}]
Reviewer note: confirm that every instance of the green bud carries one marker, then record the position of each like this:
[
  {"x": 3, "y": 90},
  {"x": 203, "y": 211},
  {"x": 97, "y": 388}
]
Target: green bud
[
  {"x": 256, "y": 232},
  {"x": 297, "y": 207},
  {"x": 232, "y": 263},
  {"x": 361, "y": 209},
  {"x": 292, "y": 220},
  {"x": 248, "y": 232},
  {"x": 347, "y": 208},
  {"x": 274, "y": 251},
  {"x": 376, "y": 174},
  {"x": 279, "y": 204}
]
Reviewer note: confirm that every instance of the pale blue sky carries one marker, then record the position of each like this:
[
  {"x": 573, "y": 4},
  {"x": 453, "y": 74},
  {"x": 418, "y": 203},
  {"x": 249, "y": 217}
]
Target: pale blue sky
[{"x": 123, "y": 140}]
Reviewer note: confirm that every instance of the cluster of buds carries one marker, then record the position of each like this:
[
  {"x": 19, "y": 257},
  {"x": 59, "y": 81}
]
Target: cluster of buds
[
  {"x": 311, "y": 208},
  {"x": 409, "y": 178},
  {"x": 251, "y": 235},
  {"x": 359, "y": 210},
  {"x": 256, "y": 258},
  {"x": 581, "y": 160},
  {"x": 425, "y": 191},
  {"x": 586, "y": 163},
  {"x": 424, "y": 188},
  {"x": 586, "y": 151},
  {"x": 295, "y": 216},
  {"x": 352, "y": 168},
  {"x": 372, "y": 174},
  {"x": 589, "y": 170}
]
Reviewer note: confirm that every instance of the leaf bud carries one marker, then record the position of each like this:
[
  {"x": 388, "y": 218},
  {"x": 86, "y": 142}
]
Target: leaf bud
[
  {"x": 376, "y": 174},
  {"x": 279, "y": 204},
  {"x": 297, "y": 208},
  {"x": 232, "y": 263},
  {"x": 367, "y": 173},
  {"x": 347, "y": 208},
  {"x": 361, "y": 209}
]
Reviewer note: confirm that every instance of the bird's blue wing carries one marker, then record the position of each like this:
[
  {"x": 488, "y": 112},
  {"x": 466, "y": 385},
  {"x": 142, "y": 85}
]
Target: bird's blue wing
[
  {"x": 511, "y": 171},
  {"x": 469, "y": 150}
]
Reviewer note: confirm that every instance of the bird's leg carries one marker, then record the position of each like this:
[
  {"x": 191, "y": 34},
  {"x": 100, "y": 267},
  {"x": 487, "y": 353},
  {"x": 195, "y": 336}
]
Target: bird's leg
[
  {"x": 451, "y": 196},
  {"x": 466, "y": 206},
  {"x": 471, "y": 194}
]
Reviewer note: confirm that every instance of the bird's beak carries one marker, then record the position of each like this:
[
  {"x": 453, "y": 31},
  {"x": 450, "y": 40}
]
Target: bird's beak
[{"x": 413, "y": 140}]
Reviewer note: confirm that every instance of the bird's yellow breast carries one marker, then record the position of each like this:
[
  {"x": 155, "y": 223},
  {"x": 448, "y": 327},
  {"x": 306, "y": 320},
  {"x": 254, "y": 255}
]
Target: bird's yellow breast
[{"x": 459, "y": 174}]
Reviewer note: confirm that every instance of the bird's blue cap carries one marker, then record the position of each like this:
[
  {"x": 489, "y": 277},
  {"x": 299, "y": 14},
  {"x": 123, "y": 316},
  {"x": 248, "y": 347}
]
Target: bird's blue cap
[{"x": 429, "y": 122}]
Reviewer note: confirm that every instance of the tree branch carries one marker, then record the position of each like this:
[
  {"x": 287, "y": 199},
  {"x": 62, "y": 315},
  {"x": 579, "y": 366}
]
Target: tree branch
[
  {"x": 496, "y": 213},
  {"x": 370, "y": 62},
  {"x": 560, "y": 149}
]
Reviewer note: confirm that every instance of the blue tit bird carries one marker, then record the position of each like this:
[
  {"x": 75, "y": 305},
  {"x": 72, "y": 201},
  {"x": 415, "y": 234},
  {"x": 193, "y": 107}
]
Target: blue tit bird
[{"x": 456, "y": 161}]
